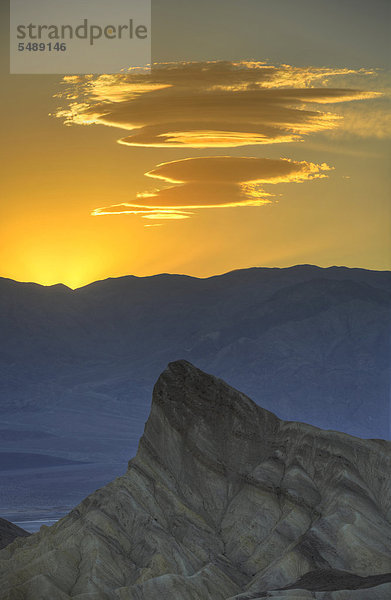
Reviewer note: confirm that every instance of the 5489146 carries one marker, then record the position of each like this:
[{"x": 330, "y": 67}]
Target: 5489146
[{"x": 42, "y": 47}]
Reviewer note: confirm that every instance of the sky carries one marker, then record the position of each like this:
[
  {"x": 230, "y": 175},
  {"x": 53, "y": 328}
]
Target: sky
[{"x": 260, "y": 138}]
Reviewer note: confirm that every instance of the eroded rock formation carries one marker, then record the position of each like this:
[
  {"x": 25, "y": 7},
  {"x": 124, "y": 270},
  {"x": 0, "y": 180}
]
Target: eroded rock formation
[{"x": 223, "y": 501}]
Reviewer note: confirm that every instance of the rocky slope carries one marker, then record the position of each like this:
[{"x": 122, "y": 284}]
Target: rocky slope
[
  {"x": 223, "y": 501},
  {"x": 9, "y": 532}
]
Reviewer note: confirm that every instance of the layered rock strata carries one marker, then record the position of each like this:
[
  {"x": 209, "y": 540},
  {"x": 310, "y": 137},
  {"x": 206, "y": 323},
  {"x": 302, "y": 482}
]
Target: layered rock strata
[{"x": 222, "y": 501}]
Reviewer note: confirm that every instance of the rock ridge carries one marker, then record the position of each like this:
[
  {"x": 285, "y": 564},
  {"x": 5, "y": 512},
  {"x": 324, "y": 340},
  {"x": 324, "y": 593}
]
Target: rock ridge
[{"x": 223, "y": 501}]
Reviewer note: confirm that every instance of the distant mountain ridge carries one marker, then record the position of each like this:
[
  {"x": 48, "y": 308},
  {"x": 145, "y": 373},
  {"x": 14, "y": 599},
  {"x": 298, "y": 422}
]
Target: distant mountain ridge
[
  {"x": 223, "y": 501},
  {"x": 77, "y": 367},
  {"x": 141, "y": 322}
]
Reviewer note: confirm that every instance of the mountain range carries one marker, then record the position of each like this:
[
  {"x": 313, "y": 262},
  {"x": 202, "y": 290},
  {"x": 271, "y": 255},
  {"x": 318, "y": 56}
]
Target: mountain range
[{"x": 77, "y": 366}]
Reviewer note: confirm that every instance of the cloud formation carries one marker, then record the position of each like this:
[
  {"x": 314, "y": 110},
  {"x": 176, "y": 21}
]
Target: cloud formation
[
  {"x": 211, "y": 104},
  {"x": 213, "y": 182}
]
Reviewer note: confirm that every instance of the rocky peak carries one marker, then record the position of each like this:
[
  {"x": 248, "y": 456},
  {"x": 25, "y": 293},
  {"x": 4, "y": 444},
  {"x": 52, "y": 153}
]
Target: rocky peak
[
  {"x": 223, "y": 501},
  {"x": 198, "y": 417}
]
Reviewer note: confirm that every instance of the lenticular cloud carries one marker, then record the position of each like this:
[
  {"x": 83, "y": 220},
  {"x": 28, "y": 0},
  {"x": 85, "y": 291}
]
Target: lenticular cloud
[
  {"x": 213, "y": 182},
  {"x": 210, "y": 104}
]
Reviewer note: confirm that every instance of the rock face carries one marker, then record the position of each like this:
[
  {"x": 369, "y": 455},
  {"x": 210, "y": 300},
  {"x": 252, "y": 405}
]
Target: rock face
[
  {"x": 223, "y": 501},
  {"x": 9, "y": 532}
]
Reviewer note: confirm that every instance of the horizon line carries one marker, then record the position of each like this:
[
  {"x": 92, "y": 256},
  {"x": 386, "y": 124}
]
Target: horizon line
[{"x": 112, "y": 278}]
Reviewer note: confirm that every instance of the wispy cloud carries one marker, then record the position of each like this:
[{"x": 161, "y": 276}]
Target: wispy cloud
[
  {"x": 213, "y": 182},
  {"x": 357, "y": 121},
  {"x": 212, "y": 104},
  {"x": 145, "y": 212}
]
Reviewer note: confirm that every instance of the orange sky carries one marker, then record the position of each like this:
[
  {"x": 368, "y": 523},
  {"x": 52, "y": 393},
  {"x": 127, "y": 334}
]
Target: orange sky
[{"x": 261, "y": 165}]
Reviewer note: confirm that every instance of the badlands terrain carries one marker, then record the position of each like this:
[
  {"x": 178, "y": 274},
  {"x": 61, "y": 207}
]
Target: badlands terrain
[{"x": 223, "y": 501}]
